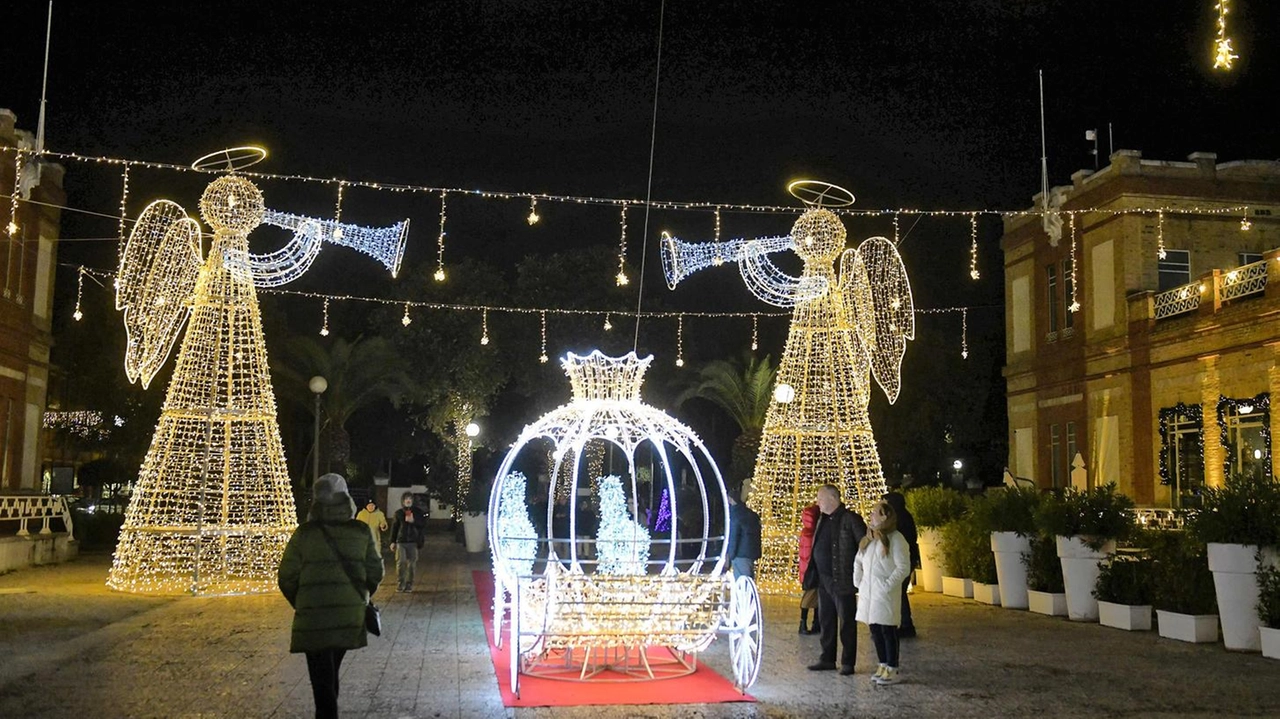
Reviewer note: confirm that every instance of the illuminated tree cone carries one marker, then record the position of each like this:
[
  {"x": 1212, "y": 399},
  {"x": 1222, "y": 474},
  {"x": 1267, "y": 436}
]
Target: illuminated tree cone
[
  {"x": 823, "y": 435},
  {"x": 213, "y": 508}
]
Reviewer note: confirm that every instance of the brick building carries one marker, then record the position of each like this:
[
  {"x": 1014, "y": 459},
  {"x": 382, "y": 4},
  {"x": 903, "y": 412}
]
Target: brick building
[
  {"x": 26, "y": 298},
  {"x": 1161, "y": 382}
]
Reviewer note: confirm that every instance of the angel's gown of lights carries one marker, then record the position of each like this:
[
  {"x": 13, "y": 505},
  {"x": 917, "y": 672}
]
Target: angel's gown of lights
[
  {"x": 213, "y": 508},
  {"x": 824, "y": 434}
]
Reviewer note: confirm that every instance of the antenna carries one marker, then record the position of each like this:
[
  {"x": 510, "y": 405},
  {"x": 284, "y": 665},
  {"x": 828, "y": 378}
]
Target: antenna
[
  {"x": 44, "y": 86},
  {"x": 1111, "y": 142}
]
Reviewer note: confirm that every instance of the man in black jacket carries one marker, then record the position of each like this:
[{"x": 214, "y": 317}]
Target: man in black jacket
[
  {"x": 835, "y": 544},
  {"x": 744, "y": 539},
  {"x": 408, "y": 533}
]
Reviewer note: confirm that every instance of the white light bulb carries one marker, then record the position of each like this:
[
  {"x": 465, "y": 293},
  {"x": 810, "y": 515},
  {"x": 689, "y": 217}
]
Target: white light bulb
[
  {"x": 439, "y": 275},
  {"x": 784, "y": 393},
  {"x": 472, "y": 429}
]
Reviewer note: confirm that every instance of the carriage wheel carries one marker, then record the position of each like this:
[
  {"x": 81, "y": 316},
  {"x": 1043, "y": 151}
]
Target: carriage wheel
[{"x": 746, "y": 632}]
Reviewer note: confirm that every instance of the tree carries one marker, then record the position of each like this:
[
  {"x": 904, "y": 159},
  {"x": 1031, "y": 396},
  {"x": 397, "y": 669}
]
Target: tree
[
  {"x": 360, "y": 373},
  {"x": 742, "y": 388}
]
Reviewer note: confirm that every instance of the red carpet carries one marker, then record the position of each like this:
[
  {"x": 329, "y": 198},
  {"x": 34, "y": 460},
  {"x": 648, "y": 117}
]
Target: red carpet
[{"x": 704, "y": 686}]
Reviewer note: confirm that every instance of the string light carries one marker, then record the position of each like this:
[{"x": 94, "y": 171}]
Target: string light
[
  {"x": 896, "y": 239},
  {"x": 973, "y": 246},
  {"x": 406, "y": 320},
  {"x": 621, "y": 279},
  {"x": 124, "y": 199},
  {"x": 213, "y": 507},
  {"x": 607, "y": 324},
  {"x": 78, "y": 315},
  {"x": 543, "y": 356},
  {"x": 1223, "y": 54},
  {"x": 533, "y": 217},
  {"x": 1075, "y": 303},
  {"x": 680, "y": 341},
  {"x": 1245, "y": 224},
  {"x": 964, "y": 334},
  {"x": 324, "y": 329},
  {"x": 1159, "y": 234},
  {"x": 337, "y": 213},
  {"x": 17, "y": 192},
  {"x": 439, "y": 276},
  {"x": 484, "y": 328},
  {"x": 755, "y": 335}
]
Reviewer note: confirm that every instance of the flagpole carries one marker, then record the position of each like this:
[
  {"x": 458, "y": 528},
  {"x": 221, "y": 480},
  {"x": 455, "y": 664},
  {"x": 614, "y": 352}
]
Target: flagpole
[
  {"x": 1044, "y": 154},
  {"x": 44, "y": 86}
]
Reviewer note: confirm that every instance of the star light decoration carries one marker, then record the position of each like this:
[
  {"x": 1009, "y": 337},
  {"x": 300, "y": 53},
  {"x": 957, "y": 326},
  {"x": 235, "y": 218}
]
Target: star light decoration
[
  {"x": 213, "y": 507},
  {"x": 850, "y": 323},
  {"x": 615, "y": 607},
  {"x": 1223, "y": 54}
]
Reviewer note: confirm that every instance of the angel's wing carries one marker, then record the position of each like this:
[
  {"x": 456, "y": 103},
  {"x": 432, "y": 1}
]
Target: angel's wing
[
  {"x": 157, "y": 277},
  {"x": 879, "y": 297}
]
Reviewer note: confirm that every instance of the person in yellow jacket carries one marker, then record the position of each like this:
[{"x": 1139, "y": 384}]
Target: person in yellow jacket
[{"x": 377, "y": 522}]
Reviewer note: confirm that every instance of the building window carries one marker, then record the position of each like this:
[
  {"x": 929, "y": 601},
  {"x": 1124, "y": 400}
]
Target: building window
[
  {"x": 1182, "y": 453},
  {"x": 1068, "y": 317},
  {"x": 1055, "y": 456},
  {"x": 1052, "y": 278},
  {"x": 1246, "y": 435},
  {"x": 1175, "y": 269},
  {"x": 1071, "y": 446},
  {"x": 1248, "y": 258}
]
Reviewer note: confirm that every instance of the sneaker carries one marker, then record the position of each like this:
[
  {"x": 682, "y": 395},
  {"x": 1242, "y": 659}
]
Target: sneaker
[
  {"x": 879, "y": 671},
  {"x": 823, "y": 667},
  {"x": 890, "y": 676}
]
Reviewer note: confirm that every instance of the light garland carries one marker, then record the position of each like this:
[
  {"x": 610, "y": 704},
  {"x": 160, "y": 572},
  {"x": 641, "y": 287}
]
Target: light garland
[
  {"x": 13, "y": 196},
  {"x": 533, "y": 217},
  {"x": 621, "y": 278},
  {"x": 607, "y": 324},
  {"x": 484, "y": 327},
  {"x": 1245, "y": 224},
  {"x": 85, "y": 424},
  {"x": 854, "y": 330},
  {"x": 964, "y": 334},
  {"x": 973, "y": 246},
  {"x": 755, "y": 333},
  {"x": 1192, "y": 413},
  {"x": 213, "y": 506},
  {"x": 78, "y": 315},
  {"x": 337, "y": 211},
  {"x": 324, "y": 328},
  {"x": 406, "y": 320},
  {"x": 896, "y": 239},
  {"x": 124, "y": 212},
  {"x": 1160, "y": 253},
  {"x": 439, "y": 275},
  {"x": 542, "y": 356},
  {"x": 1075, "y": 303},
  {"x": 1223, "y": 54},
  {"x": 1258, "y": 404},
  {"x": 680, "y": 341}
]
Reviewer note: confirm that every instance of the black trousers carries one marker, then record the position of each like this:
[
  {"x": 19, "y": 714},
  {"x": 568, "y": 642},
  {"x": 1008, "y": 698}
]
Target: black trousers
[
  {"x": 836, "y": 614},
  {"x": 908, "y": 626},
  {"x": 323, "y": 667},
  {"x": 885, "y": 637}
]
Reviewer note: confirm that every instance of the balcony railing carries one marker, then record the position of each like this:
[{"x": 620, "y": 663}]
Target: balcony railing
[
  {"x": 24, "y": 508},
  {"x": 1158, "y": 518},
  {"x": 1217, "y": 288},
  {"x": 1179, "y": 300},
  {"x": 1243, "y": 281}
]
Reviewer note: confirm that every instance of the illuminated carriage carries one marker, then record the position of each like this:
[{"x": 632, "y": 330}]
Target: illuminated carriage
[{"x": 601, "y": 608}]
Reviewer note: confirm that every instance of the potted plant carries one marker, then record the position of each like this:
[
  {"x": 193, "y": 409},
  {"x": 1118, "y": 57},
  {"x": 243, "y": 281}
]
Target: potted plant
[
  {"x": 1010, "y": 517},
  {"x": 1182, "y": 588},
  {"x": 981, "y": 561},
  {"x": 1123, "y": 592},
  {"x": 1085, "y": 525},
  {"x": 1240, "y": 524},
  {"x": 1045, "y": 593},
  {"x": 969, "y": 569},
  {"x": 933, "y": 508},
  {"x": 1269, "y": 611},
  {"x": 954, "y": 565}
]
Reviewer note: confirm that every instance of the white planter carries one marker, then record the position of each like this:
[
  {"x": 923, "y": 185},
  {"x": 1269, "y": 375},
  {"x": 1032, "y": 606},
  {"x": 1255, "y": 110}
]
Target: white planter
[
  {"x": 930, "y": 542},
  {"x": 1235, "y": 580},
  {"x": 1129, "y": 617},
  {"x": 1052, "y": 604},
  {"x": 1080, "y": 576},
  {"x": 1270, "y": 642},
  {"x": 475, "y": 527},
  {"x": 1194, "y": 628},
  {"x": 957, "y": 587},
  {"x": 1009, "y": 548},
  {"x": 987, "y": 593}
]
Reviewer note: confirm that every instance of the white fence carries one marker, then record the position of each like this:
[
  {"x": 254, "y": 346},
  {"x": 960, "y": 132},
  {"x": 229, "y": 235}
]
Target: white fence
[
  {"x": 23, "y": 508},
  {"x": 1243, "y": 281}
]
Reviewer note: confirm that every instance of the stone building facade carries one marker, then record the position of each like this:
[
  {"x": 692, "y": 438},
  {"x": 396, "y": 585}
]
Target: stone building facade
[
  {"x": 26, "y": 297},
  {"x": 1161, "y": 381}
]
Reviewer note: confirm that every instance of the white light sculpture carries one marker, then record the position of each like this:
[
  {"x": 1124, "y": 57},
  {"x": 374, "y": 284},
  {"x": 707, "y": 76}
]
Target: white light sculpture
[
  {"x": 213, "y": 507},
  {"x": 575, "y": 618},
  {"x": 817, "y": 430}
]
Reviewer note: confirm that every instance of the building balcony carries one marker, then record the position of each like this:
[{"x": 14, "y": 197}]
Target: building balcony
[{"x": 1217, "y": 289}]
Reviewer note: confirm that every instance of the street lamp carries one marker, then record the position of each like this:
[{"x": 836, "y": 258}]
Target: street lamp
[
  {"x": 473, "y": 429},
  {"x": 317, "y": 385}
]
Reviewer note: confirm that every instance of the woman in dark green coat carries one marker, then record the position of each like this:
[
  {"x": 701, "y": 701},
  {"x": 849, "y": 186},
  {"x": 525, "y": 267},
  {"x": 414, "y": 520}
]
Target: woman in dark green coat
[{"x": 329, "y": 570}]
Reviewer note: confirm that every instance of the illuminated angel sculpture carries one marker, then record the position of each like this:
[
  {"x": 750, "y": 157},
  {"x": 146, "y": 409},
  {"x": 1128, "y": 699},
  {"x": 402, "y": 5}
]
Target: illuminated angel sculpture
[
  {"x": 853, "y": 314},
  {"x": 213, "y": 507}
]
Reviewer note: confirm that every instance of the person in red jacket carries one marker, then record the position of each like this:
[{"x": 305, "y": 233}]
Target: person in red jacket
[{"x": 808, "y": 600}]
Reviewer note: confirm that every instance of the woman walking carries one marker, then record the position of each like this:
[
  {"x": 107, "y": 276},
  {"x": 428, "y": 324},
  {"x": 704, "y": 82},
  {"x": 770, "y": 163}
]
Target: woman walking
[
  {"x": 883, "y": 562},
  {"x": 329, "y": 570}
]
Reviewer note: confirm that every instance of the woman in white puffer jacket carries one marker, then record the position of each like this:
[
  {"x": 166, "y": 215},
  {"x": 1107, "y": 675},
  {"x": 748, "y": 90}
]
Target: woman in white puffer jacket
[{"x": 883, "y": 562}]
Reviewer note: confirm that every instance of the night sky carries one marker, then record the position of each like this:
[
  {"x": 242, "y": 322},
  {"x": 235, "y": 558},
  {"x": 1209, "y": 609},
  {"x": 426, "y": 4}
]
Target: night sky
[{"x": 930, "y": 105}]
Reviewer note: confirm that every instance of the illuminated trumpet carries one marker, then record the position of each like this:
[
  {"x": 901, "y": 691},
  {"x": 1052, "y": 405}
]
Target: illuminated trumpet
[
  {"x": 765, "y": 280},
  {"x": 272, "y": 269}
]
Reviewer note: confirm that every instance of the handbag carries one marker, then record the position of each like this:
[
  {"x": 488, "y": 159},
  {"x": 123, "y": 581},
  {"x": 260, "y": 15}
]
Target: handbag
[{"x": 372, "y": 615}]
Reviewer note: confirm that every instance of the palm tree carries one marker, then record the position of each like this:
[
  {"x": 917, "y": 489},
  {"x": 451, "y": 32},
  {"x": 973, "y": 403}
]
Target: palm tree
[
  {"x": 743, "y": 389},
  {"x": 359, "y": 374}
]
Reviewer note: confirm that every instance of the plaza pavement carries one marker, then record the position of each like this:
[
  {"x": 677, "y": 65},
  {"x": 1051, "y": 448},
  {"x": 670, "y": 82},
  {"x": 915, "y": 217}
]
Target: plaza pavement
[{"x": 70, "y": 648}]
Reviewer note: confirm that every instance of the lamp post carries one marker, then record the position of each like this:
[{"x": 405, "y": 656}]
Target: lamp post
[{"x": 317, "y": 385}]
